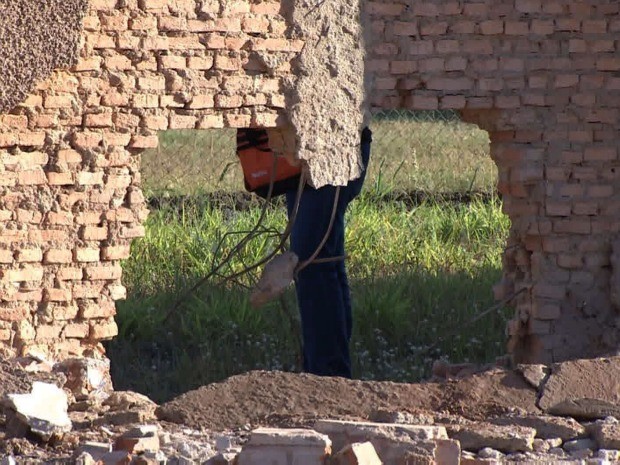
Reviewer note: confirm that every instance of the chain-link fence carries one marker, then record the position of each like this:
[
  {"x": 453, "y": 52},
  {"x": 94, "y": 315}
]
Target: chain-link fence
[{"x": 429, "y": 151}]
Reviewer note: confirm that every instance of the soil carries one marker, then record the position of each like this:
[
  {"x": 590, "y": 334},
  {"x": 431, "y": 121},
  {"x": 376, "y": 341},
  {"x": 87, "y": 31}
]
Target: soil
[{"x": 285, "y": 399}]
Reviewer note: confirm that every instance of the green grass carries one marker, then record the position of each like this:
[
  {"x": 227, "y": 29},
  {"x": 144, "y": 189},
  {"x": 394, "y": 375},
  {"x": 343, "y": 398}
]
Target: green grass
[{"x": 419, "y": 273}]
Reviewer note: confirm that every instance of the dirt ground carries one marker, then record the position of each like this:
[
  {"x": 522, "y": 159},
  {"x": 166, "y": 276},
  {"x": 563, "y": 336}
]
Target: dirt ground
[{"x": 285, "y": 399}]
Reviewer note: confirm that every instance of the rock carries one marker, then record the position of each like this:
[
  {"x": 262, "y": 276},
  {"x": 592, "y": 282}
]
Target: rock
[
  {"x": 583, "y": 389},
  {"x": 359, "y": 453},
  {"x": 606, "y": 434},
  {"x": 126, "y": 407},
  {"x": 277, "y": 275},
  {"x": 579, "y": 444},
  {"x": 541, "y": 446},
  {"x": 95, "y": 449},
  {"x": 137, "y": 445},
  {"x": 610, "y": 455},
  {"x": 43, "y": 411},
  {"x": 128, "y": 400},
  {"x": 116, "y": 458},
  {"x": 284, "y": 446},
  {"x": 488, "y": 453},
  {"x": 87, "y": 377},
  {"x": 8, "y": 460},
  {"x": 507, "y": 439},
  {"x": 394, "y": 442},
  {"x": 223, "y": 458},
  {"x": 546, "y": 426},
  {"x": 534, "y": 374},
  {"x": 404, "y": 418},
  {"x": 85, "y": 459}
]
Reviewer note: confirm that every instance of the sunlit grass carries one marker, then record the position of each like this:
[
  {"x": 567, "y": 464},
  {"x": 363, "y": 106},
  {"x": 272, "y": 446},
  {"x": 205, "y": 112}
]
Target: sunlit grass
[{"x": 419, "y": 272}]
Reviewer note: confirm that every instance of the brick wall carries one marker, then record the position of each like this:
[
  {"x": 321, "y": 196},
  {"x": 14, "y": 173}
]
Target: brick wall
[
  {"x": 540, "y": 76},
  {"x": 70, "y": 202}
]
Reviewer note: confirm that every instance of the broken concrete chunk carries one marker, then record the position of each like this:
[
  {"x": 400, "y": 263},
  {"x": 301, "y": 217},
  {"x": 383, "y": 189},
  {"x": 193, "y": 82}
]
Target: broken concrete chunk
[
  {"x": 43, "y": 411},
  {"x": 546, "y": 426},
  {"x": 534, "y": 374},
  {"x": 359, "y": 453},
  {"x": 394, "y": 442},
  {"x": 85, "y": 459},
  {"x": 579, "y": 444},
  {"x": 284, "y": 446},
  {"x": 583, "y": 389},
  {"x": 116, "y": 458},
  {"x": 606, "y": 433},
  {"x": 87, "y": 377},
  {"x": 277, "y": 275},
  {"x": 477, "y": 436},
  {"x": 128, "y": 400},
  {"x": 223, "y": 458},
  {"x": 127, "y": 407},
  {"x": 137, "y": 445},
  {"x": 96, "y": 450},
  {"x": 404, "y": 418}
]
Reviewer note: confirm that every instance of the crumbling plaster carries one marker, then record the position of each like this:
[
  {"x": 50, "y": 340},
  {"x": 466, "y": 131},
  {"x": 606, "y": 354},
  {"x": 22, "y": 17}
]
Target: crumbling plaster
[{"x": 540, "y": 76}]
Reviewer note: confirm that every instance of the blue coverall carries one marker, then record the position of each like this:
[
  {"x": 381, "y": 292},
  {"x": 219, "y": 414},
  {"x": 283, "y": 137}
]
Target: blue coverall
[{"x": 323, "y": 294}]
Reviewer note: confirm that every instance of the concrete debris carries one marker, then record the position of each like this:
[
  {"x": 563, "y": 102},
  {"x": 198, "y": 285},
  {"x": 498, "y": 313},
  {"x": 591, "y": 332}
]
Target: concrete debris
[
  {"x": 87, "y": 378},
  {"x": 284, "y": 446},
  {"x": 405, "y": 418},
  {"x": 126, "y": 407},
  {"x": 546, "y": 426},
  {"x": 43, "y": 411},
  {"x": 477, "y": 436},
  {"x": 606, "y": 433},
  {"x": 360, "y": 453},
  {"x": 96, "y": 450},
  {"x": 586, "y": 389},
  {"x": 277, "y": 275},
  {"x": 394, "y": 442},
  {"x": 579, "y": 444},
  {"x": 534, "y": 374}
]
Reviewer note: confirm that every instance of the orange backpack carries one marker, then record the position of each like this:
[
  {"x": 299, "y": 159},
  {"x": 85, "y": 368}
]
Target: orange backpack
[{"x": 257, "y": 163}]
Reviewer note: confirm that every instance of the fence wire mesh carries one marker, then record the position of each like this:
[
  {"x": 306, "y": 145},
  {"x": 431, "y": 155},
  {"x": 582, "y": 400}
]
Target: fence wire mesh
[{"x": 428, "y": 151}]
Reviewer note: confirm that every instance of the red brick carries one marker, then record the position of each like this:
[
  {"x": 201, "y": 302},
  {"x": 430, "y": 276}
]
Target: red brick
[
  {"x": 25, "y": 274},
  {"x": 58, "y": 295},
  {"x": 101, "y": 309},
  {"x": 119, "y": 252},
  {"x": 76, "y": 330},
  {"x": 59, "y": 256},
  {"x": 101, "y": 331},
  {"x": 102, "y": 272},
  {"x": 29, "y": 255},
  {"x": 59, "y": 179},
  {"x": 86, "y": 255}
]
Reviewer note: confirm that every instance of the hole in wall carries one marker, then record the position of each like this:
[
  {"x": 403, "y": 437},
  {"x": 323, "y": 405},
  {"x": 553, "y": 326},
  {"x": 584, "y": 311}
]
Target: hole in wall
[{"x": 424, "y": 242}]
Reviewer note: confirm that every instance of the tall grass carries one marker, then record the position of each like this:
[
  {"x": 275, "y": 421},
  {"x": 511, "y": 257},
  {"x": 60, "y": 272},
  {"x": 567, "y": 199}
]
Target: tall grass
[{"x": 419, "y": 272}]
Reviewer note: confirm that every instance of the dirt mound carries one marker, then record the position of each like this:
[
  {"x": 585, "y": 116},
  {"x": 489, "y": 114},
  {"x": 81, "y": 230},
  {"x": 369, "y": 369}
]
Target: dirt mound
[
  {"x": 286, "y": 399},
  {"x": 15, "y": 380}
]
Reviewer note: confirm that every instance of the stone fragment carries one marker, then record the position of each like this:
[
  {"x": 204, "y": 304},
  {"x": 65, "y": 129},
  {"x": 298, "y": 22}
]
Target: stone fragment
[
  {"x": 223, "y": 458},
  {"x": 588, "y": 388},
  {"x": 535, "y": 374},
  {"x": 87, "y": 377},
  {"x": 137, "y": 445},
  {"x": 85, "y": 459},
  {"x": 393, "y": 442},
  {"x": 403, "y": 418},
  {"x": 489, "y": 453},
  {"x": 541, "y": 446},
  {"x": 126, "y": 407},
  {"x": 606, "y": 433},
  {"x": 546, "y": 426},
  {"x": 579, "y": 444},
  {"x": 95, "y": 449},
  {"x": 43, "y": 411},
  {"x": 612, "y": 456},
  {"x": 277, "y": 275},
  {"x": 116, "y": 458},
  {"x": 275, "y": 446},
  {"x": 359, "y": 453},
  {"x": 508, "y": 439}
]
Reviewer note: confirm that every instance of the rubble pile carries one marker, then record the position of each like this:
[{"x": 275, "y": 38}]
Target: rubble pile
[{"x": 85, "y": 422}]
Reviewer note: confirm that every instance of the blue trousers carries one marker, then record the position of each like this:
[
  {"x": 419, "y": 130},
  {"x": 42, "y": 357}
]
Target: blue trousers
[{"x": 323, "y": 294}]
